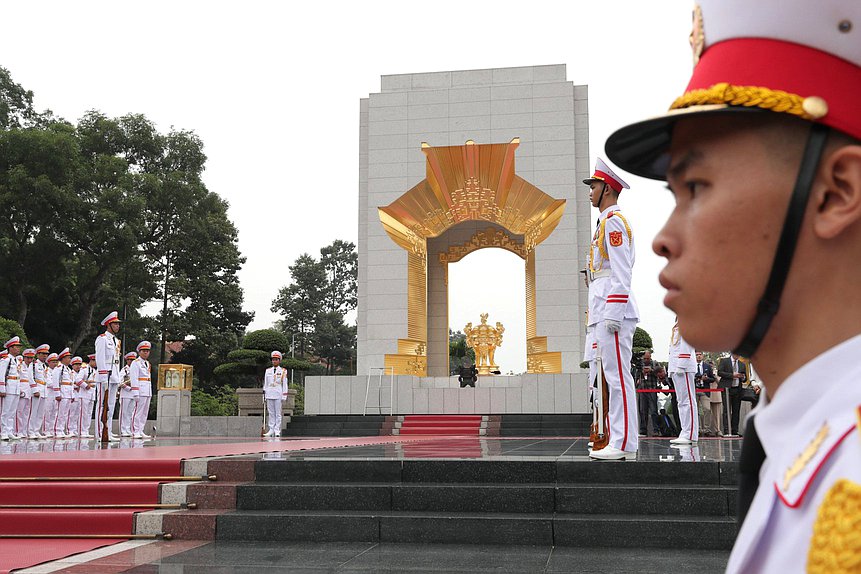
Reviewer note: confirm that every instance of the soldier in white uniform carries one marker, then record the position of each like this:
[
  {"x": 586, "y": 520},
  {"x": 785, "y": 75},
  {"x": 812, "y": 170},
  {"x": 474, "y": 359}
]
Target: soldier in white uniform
[
  {"x": 682, "y": 368},
  {"x": 27, "y": 385},
  {"x": 275, "y": 386},
  {"x": 74, "y": 419},
  {"x": 108, "y": 376},
  {"x": 38, "y": 402},
  {"x": 51, "y": 399},
  {"x": 62, "y": 386},
  {"x": 141, "y": 376},
  {"x": 87, "y": 395},
  {"x": 128, "y": 394},
  {"x": 762, "y": 153},
  {"x": 9, "y": 393},
  {"x": 613, "y": 311}
]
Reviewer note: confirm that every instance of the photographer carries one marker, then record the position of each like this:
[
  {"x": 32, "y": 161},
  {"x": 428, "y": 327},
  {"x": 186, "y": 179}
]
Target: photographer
[
  {"x": 467, "y": 376},
  {"x": 646, "y": 378}
]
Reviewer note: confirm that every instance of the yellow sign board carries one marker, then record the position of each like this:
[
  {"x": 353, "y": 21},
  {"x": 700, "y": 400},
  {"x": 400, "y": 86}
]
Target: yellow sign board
[{"x": 172, "y": 376}]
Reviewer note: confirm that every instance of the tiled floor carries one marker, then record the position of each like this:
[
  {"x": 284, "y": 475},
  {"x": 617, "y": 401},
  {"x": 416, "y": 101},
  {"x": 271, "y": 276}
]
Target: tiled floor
[{"x": 273, "y": 557}]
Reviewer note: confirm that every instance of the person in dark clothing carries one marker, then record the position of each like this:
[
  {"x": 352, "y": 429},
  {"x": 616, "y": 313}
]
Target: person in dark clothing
[
  {"x": 467, "y": 375},
  {"x": 732, "y": 373},
  {"x": 648, "y": 402}
]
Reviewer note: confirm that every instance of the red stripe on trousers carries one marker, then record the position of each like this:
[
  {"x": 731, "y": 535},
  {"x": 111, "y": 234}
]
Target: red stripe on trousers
[
  {"x": 624, "y": 394},
  {"x": 134, "y": 414},
  {"x": 690, "y": 405}
]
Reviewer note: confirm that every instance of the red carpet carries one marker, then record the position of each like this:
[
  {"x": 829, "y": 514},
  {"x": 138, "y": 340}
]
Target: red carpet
[
  {"x": 446, "y": 425},
  {"x": 16, "y": 554}
]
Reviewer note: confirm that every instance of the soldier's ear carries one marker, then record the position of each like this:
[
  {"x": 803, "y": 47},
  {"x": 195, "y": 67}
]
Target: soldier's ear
[{"x": 837, "y": 192}]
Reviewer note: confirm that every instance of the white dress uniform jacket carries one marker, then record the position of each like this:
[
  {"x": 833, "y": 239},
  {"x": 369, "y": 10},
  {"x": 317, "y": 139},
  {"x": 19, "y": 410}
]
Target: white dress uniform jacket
[
  {"x": 63, "y": 380},
  {"x": 683, "y": 357},
  {"x": 611, "y": 260},
  {"x": 809, "y": 491},
  {"x": 26, "y": 384},
  {"x": 130, "y": 391},
  {"x": 275, "y": 383},
  {"x": 108, "y": 358},
  {"x": 9, "y": 376},
  {"x": 40, "y": 377},
  {"x": 141, "y": 378}
]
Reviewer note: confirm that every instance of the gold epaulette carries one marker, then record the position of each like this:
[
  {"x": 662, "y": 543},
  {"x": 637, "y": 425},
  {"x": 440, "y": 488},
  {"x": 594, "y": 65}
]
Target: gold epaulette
[{"x": 602, "y": 249}]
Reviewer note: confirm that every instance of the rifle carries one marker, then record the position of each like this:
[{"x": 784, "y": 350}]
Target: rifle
[{"x": 600, "y": 432}]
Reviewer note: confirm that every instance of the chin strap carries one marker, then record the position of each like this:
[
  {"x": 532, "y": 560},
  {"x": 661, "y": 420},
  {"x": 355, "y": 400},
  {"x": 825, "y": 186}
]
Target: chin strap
[{"x": 770, "y": 301}]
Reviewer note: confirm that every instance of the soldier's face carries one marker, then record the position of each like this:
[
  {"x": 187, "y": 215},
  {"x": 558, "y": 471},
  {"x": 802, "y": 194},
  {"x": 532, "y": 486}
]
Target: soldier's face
[
  {"x": 114, "y": 327},
  {"x": 276, "y": 362},
  {"x": 595, "y": 192},
  {"x": 720, "y": 238},
  {"x": 41, "y": 356}
]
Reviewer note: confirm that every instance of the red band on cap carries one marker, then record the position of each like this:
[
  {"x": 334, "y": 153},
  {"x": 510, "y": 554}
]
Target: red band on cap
[
  {"x": 609, "y": 180},
  {"x": 788, "y": 67}
]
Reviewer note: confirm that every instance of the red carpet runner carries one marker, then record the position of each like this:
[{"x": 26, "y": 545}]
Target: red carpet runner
[
  {"x": 48, "y": 488},
  {"x": 450, "y": 425}
]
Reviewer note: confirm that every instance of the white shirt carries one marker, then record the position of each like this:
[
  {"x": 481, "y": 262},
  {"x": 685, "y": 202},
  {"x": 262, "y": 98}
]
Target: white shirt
[
  {"x": 810, "y": 435},
  {"x": 610, "y": 296},
  {"x": 275, "y": 383}
]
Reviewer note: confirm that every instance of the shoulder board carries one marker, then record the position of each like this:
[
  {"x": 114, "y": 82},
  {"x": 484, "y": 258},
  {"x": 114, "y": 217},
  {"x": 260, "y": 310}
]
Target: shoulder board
[{"x": 102, "y": 335}]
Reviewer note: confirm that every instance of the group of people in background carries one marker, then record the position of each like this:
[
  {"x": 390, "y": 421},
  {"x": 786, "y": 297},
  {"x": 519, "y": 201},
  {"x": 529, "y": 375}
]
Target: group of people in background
[{"x": 46, "y": 395}]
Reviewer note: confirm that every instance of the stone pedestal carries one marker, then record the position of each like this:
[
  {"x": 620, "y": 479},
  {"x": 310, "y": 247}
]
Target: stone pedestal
[
  {"x": 174, "y": 405},
  {"x": 250, "y": 402}
]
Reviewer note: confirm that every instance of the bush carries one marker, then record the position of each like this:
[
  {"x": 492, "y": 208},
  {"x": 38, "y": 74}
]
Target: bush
[
  {"x": 221, "y": 405},
  {"x": 267, "y": 340},
  {"x": 299, "y": 408},
  {"x": 9, "y": 329}
]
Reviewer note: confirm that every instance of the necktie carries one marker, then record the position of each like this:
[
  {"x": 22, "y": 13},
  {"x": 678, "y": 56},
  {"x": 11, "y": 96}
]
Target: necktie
[{"x": 752, "y": 457}]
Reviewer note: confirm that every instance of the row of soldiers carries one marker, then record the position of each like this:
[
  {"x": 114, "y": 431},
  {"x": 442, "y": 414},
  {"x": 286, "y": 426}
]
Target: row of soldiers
[{"x": 47, "y": 395}]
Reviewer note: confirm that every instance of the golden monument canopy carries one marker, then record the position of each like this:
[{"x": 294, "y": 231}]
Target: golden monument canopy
[
  {"x": 471, "y": 182},
  {"x": 468, "y": 183}
]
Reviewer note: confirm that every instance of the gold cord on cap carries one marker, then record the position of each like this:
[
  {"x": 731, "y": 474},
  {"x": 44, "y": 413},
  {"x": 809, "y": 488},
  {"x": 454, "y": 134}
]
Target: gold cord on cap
[{"x": 810, "y": 108}]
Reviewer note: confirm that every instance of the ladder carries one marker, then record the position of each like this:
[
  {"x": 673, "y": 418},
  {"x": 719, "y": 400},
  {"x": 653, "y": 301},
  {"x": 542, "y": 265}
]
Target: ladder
[{"x": 379, "y": 372}]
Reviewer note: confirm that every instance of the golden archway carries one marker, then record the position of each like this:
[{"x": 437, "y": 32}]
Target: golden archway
[{"x": 468, "y": 183}]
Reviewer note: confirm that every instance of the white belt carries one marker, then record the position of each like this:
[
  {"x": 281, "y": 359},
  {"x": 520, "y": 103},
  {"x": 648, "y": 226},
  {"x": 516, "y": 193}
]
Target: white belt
[{"x": 598, "y": 274}]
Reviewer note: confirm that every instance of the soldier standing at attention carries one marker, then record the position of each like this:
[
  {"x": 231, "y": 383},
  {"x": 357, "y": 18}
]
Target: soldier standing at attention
[
  {"x": 27, "y": 384},
  {"x": 75, "y": 407},
  {"x": 128, "y": 393},
  {"x": 613, "y": 311},
  {"x": 275, "y": 385},
  {"x": 88, "y": 396},
  {"x": 682, "y": 367},
  {"x": 767, "y": 137},
  {"x": 62, "y": 385},
  {"x": 142, "y": 379},
  {"x": 50, "y": 397},
  {"x": 9, "y": 393},
  {"x": 108, "y": 376},
  {"x": 38, "y": 402}
]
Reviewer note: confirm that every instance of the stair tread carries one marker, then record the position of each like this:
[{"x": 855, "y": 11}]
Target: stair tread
[
  {"x": 492, "y": 515},
  {"x": 573, "y": 486}
]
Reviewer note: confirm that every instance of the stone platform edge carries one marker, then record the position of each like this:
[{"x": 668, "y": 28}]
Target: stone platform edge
[{"x": 564, "y": 393}]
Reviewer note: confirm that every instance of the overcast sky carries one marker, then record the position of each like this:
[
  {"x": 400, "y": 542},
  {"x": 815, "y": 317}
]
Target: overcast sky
[{"x": 273, "y": 90}]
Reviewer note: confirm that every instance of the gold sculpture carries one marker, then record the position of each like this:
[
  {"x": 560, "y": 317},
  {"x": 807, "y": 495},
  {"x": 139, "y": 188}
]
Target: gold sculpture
[{"x": 484, "y": 339}]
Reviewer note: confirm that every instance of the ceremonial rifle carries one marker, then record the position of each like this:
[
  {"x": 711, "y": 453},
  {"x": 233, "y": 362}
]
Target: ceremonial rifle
[{"x": 600, "y": 435}]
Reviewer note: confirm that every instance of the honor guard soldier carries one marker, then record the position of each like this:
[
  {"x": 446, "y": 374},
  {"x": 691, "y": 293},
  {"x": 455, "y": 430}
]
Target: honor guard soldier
[
  {"x": 9, "y": 390},
  {"x": 613, "y": 311},
  {"x": 51, "y": 398},
  {"x": 39, "y": 402},
  {"x": 63, "y": 393},
  {"x": 128, "y": 393},
  {"x": 88, "y": 395},
  {"x": 74, "y": 420},
  {"x": 762, "y": 153},
  {"x": 682, "y": 367},
  {"x": 27, "y": 385},
  {"x": 108, "y": 375},
  {"x": 141, "y": 375},
  {"x": 275, "y": 386}
]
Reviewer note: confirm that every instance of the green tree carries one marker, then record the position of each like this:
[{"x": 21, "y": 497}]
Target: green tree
[
  {"x": 459, "y": 354},
  {"x": 301, "y": 302},
  {"x": 340, "y": 262},
  {"x": 642, "y": 340},
  {"x": 245, "y": 366},
  {"x": 334, "y": 342},
  {"x": 16, "y": 105},
  {"x": 9, "y": 329}
]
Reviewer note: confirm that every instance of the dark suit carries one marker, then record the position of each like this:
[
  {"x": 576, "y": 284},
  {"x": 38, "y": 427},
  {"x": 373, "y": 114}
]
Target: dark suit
[
  {"x": 727, "y": 381},
  {"x": 702, "y": 380}
]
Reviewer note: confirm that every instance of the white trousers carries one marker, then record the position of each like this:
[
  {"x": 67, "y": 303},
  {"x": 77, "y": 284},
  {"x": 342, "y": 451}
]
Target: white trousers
[
  {"x": 37, "y": 414},
  {"x": 140, "y": 416},
  {"x": 615, "y": 349},
  {"x": 112, "y": 402},
  {"x": 85, "y": 416},
  {"x": 8, "y": 412},
  {"x": 22, "y": 418},
  {"x": 50, "y": 413},
  {"x": 273, "y": 410},
  {"x": 127, "y": 412},
  {"x": 61, "y": 416},
  {"x": 687, "y": 401},
  {"x": 75, "y": 417}
]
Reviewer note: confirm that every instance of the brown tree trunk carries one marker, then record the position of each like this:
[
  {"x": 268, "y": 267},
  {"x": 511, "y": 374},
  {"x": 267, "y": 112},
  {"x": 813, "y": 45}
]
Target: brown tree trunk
[
  {"x": 88, "y": 298},
  {"x": 23, "y": 305}
]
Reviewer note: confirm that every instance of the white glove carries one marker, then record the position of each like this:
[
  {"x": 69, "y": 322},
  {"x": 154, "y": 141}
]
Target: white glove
[{"x": 612, "y": 325}]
